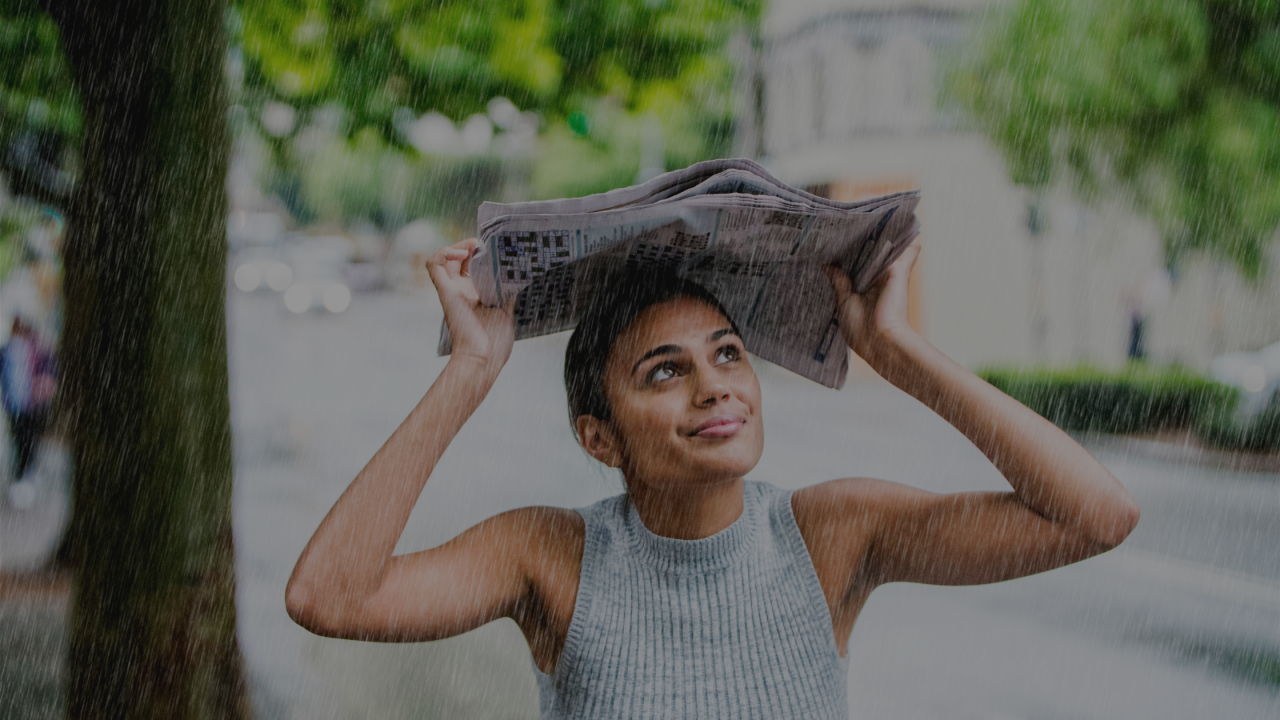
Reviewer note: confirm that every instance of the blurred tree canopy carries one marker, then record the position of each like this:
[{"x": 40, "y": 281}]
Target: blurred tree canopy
[
  {"x": 599, "y": 73},
  {"x": 40, "y": 118},
  {"x": 454, "y": 56},
  {"x": 35, "y": 82},
  {"x": 383, "y": 59},
  {"x": 1175, "y": 102}
]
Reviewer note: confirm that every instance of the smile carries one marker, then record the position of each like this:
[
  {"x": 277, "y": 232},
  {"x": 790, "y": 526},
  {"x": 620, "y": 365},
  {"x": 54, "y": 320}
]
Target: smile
[{"x": 719, "y": 427}]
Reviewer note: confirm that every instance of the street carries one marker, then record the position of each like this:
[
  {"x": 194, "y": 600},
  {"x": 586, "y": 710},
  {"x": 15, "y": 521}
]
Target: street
[{"x": 1182, "y": 621}]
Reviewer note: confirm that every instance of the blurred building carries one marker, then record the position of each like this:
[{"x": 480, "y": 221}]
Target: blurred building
[{"x": 852, "y": 106}]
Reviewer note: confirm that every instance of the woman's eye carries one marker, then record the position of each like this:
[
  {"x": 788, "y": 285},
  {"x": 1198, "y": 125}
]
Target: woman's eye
[
  {"x": 665, "y": 371},
  {"x": 727, "y": 353}
]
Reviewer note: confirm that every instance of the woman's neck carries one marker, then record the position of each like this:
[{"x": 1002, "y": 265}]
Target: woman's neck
[{"x": 687, "y": 512}]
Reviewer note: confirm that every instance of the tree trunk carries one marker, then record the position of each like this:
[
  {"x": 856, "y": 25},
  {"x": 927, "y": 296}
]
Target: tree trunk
[{"x": 145, "y": 387}]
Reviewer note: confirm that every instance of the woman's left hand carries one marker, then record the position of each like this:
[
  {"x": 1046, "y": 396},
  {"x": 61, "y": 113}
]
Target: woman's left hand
[{"x": 879, "y": 316}]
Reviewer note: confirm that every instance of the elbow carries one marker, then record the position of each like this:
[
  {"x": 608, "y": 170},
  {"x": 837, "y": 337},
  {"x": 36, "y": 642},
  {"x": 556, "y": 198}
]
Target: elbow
[
  {"x": 1117, "y": 523},
  {"x": 301, "y": 604},
  {"x": 298, "y": 603}
]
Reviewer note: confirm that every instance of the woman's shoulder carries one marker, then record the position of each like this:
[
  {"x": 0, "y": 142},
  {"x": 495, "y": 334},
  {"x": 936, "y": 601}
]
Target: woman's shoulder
[
  {"x": 834, "y": 500},
  {"x": 840, "y": 512},
  {"x": 827, "y": 499},
  {"x": 542, "y": 527},
  {"x": 545, "y": 528}
]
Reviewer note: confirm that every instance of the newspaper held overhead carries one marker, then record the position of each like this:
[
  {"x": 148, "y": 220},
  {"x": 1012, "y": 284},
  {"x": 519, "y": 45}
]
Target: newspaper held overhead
[{"x": 755, "y": 243}]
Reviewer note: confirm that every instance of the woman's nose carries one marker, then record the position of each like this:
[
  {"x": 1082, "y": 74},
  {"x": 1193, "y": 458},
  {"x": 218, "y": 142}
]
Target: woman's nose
[{"x": 711, "y": 389}]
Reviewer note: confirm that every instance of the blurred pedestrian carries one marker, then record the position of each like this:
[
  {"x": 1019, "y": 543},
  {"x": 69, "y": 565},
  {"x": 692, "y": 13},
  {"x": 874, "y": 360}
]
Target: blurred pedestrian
[
  {"x": 44, "y": 247},
  {"x": 1145, "y": 298},
  {"x": 28, "y": 378},
  {"x": 33, "y": 287}
]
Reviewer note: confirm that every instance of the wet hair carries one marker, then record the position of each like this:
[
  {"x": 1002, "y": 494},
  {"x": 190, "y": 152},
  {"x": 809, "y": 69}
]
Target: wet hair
[{"x": 603, "y": 322}]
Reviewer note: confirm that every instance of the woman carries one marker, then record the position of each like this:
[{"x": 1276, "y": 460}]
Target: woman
[{"x": 696, "y": 592}]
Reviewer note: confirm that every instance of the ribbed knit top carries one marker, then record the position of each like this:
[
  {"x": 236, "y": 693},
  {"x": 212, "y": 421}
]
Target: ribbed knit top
[{"x": 734, "y": 625}]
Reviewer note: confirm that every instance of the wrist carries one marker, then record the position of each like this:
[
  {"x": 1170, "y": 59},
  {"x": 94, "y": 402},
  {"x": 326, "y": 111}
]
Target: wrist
[
  {"x": 916, "y": 367},
  {"x": 888, "y": 350},
  {"x": 471, "y": 373}
]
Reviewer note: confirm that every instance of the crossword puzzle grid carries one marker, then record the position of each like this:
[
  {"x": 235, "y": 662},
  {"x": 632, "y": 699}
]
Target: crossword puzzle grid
[
  {"x": 549, "y": 296},
  {"x": 655, "y": 254},
  {"x": 528, "y": 255}
]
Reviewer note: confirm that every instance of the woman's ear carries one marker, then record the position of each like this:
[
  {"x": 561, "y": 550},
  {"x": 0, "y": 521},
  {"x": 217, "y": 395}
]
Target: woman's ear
[{"x": 596, "y": 437}]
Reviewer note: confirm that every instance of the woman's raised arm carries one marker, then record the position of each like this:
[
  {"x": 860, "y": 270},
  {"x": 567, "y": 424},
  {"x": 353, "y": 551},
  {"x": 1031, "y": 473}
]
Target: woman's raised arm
[
  {"x": 347, "y": 583},
  {"x": 1065, "y": 506}
]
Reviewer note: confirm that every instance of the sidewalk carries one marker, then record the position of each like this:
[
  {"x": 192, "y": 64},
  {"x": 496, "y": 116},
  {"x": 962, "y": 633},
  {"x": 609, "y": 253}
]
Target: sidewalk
[
  {"x": 28, "y": 538},
  {"x": 1183, "y": 446},
  {"x": 33, "y": 600}
]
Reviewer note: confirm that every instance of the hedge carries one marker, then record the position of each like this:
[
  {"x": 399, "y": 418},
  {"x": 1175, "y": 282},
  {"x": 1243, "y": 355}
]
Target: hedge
[
  {"x": 1221, "y": 427},
  {"x": 1140, "y": 398},
  {"x": 1134, "y": 400}
]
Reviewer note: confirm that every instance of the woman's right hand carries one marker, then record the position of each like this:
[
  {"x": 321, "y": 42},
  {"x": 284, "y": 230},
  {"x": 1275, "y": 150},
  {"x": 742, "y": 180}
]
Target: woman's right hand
[{"x": 483, "y": 335}]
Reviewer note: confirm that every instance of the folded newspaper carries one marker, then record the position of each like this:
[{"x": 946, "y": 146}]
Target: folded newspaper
[{"x": 754, "y": 242}]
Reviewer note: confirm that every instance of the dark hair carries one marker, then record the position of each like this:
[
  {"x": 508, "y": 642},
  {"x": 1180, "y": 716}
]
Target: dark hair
[{"x": 602, "y": 323}]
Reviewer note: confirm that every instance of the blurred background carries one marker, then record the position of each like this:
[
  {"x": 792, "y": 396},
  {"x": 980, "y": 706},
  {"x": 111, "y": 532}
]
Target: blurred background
[{"x": 1100, "y": 204}]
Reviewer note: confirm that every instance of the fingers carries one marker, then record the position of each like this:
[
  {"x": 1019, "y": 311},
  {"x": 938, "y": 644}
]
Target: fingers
[
  {"x": 438, "y": 264},
  {"x": 467, "y": 246},
  {"x": 907, "y": 259},
  {"x": 840, "y": 281},
  {"x": 452, "y": 262},
  {"x": 457, "y": 251}
]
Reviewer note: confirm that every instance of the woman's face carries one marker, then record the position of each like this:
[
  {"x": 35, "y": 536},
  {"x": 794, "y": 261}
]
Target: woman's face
[{"x": 685, "y": 401}]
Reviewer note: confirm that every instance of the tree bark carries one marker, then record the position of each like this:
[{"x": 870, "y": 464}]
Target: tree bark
[{"x": 145, "y": 388}]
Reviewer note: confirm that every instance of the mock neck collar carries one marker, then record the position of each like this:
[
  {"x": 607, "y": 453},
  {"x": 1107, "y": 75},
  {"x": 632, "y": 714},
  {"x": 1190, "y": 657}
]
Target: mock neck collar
[{"x": 709, "y": 554}]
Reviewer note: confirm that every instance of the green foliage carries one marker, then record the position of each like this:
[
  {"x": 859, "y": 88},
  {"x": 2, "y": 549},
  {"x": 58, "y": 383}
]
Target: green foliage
[
  {"x": 1137, "y": 399},
  {"x": 1222, "y": 427},
  {"x": 572, "y": 166},
  {"x": 335, "y": 178},
  {"x": 374, "y": 57},
  {"x": 341, "y": 179},
  {"x": 608, "y": 67},
  {"x": 453, "y": 56},
  {"x": 603, "y": 152},
  {"x": 36, "y": 85},
  {"x": 15, "y": 222},
  {"x": 1172, "y": 101},
  {"x": 452, "y": 189}
]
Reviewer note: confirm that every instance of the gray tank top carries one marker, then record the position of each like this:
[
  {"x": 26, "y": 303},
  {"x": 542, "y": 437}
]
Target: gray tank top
[{"x": 730, "y": 626}]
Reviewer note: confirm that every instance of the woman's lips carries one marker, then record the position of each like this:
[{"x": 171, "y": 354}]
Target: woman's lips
[{"x": 718, "y": 427}]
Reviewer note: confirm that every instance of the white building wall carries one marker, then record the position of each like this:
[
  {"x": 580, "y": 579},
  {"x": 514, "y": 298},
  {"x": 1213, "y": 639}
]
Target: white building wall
[{"x": 850, "y": 97}]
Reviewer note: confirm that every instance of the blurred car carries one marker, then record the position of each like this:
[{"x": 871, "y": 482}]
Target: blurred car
[
  {"x": 318, "y": 284},
  {"x": 364, "y": 276},
  {"x": 261, "y": 268},
  {"x": 1257, "y": 374},
  {"x": 407, "y": 260},
  {"x": 366, "y": 270},
  {"x": 247, "y": 229}
]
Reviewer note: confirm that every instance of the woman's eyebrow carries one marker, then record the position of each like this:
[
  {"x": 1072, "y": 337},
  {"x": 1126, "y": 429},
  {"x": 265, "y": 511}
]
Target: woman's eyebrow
[
  {"x": 720, "y": 333},
  {"x": 660, "y": 350}
]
